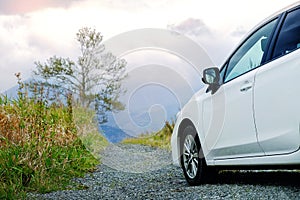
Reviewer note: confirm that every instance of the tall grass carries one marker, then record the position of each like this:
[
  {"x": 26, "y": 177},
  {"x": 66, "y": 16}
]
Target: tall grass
[
  {"x": 39, "y": 147},
  {"x": 160, "y": 139},
  {"x": 88, "y": 131}
]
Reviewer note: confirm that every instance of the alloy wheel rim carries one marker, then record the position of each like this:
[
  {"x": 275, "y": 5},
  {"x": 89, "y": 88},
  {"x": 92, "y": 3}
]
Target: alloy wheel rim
[{"x": 190, "y": 156}]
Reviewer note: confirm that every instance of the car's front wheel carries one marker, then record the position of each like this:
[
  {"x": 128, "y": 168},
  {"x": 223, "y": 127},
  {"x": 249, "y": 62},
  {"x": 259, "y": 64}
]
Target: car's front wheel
[{"x": 192, "y": 159}]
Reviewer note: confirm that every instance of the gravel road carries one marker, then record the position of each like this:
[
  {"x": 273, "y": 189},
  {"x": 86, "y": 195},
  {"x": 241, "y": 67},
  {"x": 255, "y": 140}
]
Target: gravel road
[{"x": 140, "y": 172}]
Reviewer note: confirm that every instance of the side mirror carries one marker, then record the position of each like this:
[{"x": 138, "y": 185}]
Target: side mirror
[{"x": 211, "y": 77}]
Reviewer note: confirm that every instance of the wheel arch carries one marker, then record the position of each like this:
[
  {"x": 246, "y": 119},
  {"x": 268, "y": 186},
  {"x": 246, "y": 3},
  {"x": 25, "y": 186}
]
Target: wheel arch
[{"x": 184, "y": 123}]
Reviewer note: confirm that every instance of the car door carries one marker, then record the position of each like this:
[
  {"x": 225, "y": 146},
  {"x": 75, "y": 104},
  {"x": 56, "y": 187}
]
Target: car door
[
  {"x": 237, "y": 136},
  {"x": 277, "y": 92}
]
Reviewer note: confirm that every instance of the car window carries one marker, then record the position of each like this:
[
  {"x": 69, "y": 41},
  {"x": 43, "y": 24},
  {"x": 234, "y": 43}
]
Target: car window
[
  {"x": 289, "y": 35},
  {"x": 250, "y": 53}
]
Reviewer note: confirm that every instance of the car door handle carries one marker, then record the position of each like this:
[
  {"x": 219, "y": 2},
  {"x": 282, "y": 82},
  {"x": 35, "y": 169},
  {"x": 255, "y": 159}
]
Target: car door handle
[
  {"x": 244, "y": 89},
  {"x": 246, "y": 86}
]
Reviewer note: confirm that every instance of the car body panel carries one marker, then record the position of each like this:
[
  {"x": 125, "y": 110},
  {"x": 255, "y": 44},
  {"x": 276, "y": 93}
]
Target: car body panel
[
  {"x": 232, "y": 133},
  {"x": 276, "y": 104},
  {"x": 268, "y": 115}
]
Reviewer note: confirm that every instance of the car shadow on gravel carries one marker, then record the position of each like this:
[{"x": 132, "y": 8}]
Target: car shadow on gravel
[{"x": 256, "y": 177}]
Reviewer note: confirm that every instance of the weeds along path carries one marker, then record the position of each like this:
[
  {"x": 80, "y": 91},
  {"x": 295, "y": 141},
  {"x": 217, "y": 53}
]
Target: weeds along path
[{"x": 140, "y": 172}]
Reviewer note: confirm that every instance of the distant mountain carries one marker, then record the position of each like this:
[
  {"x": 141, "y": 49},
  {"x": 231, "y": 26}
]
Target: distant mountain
[
  {"x": 12, "y": 93},
  {"x": 113, "y": 134}
]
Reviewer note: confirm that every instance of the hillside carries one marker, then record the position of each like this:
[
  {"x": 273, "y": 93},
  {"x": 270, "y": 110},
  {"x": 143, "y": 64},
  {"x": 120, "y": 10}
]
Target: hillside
[{"x": 159, "y": 139}]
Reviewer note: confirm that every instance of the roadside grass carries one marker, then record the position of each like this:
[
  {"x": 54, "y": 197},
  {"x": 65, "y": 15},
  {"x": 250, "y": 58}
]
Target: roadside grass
[
  {"x": 160, "y": 139},
  {"x": 88, "y": 132},
  {"x": 40, "y": 150}
]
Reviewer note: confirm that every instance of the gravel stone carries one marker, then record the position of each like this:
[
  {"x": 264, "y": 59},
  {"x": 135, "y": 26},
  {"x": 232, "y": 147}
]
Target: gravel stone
[{"x": 141, "y": 172}]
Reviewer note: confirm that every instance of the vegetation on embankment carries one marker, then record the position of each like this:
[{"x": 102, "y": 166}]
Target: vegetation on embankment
[
  {"x": 160, "y": 139},
  {"x": 43, "y": 146},
  {"x": 88, "y": 131}
]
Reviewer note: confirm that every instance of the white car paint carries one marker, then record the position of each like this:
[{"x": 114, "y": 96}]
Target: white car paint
[
  {"x": 251, "y": 120},
  {"x": 277, "y": 105}
]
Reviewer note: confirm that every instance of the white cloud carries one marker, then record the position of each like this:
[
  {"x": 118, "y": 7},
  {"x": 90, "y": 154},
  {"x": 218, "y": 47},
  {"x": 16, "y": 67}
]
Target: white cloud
[
  {"x": 191, "y": 26},
  {"x": 239, "y": 32}
]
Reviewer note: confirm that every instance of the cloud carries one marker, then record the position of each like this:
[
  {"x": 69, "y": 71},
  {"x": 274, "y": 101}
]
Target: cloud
[
  {"x": 12, "y": 7},
  {"x": 123, "y": 4},
  {"x": 155, "y": 92},
  {"x": 239, "y": 32},
  {"x": 14, "y": 52},
  {"x": 23, "y": 43},
  {"x": 215, "y": 42},
  {"x": 191, "y": 26}
]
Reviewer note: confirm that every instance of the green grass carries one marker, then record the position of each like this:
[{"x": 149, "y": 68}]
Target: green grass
[
  {"x": 88, "y": 132},
  {"x": 40, "y": 150},
  {"x": 160, "y": 139}
]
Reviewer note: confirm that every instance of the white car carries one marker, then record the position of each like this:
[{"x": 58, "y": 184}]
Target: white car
[{"x": 248, "y": 115}]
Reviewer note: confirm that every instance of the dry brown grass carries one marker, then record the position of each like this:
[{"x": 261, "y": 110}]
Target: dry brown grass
[{"x": 34, "y": 121}]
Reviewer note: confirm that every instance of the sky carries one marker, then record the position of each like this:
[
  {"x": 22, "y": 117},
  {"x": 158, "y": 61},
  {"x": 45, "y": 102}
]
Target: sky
[
  {"x": 34, "y": 30},
  {"x": 166, "y": 43}
]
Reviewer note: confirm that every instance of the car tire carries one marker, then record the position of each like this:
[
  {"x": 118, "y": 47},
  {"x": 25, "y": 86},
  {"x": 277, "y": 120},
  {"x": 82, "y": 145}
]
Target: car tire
[{"x": 192, "y": 159}]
